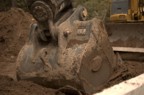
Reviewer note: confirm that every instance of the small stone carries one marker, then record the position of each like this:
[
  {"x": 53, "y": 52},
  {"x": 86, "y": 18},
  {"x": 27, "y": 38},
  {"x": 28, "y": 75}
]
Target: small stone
[{"x": 12, "y": 57}]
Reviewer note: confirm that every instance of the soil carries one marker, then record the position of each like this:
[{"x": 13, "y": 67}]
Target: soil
[
  {"x": 14, "y": 25},
  {"x": 14, "y": 29},
  {"x": 10, "y": 87},
  {"x": 133, "y": 69}
]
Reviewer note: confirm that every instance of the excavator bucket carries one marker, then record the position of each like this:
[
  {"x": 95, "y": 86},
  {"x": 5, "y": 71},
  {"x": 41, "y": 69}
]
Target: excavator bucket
[
  {"x": 126, "y": 34},
  {"x": 67, "y": 52}
]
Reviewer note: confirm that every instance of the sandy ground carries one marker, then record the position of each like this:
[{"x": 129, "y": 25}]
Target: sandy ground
[{"x": 14, "y": 26}]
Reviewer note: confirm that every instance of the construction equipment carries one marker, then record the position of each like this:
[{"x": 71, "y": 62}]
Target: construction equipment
[
  {"x": 65, "y": 49},
  {"x": 127, "y": 10},
  {"x": 125, "y": 27}
]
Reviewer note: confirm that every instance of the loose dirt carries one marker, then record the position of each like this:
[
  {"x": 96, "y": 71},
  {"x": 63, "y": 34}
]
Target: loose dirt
[
  {"x": 14, "y": 29},
  {"x": 10, "y": 87},
  {"x": 14, "y": 25},
  {"x": 133, "y": 69}
]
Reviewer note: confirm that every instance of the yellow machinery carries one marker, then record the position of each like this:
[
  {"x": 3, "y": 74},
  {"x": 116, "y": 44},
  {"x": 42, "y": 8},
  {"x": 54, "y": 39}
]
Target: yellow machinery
[
  {"x": 127, "y": 10},
  {"x": 126, "y": 24}
]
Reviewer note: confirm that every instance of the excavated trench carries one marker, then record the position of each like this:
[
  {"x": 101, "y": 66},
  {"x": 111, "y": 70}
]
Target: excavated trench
[{"x": 14, "y": 26}]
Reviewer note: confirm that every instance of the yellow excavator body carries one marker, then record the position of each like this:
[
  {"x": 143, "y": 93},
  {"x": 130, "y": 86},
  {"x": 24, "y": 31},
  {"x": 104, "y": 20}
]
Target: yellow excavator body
[{"x": 127, "y": 10}]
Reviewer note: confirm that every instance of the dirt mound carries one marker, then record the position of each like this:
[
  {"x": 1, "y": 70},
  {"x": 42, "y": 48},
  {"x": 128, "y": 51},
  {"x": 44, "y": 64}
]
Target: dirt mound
[
  {"x": 14, "y": 28},
  {"x": 133, "y": 69},
  {"x": 10, "y": 87}
]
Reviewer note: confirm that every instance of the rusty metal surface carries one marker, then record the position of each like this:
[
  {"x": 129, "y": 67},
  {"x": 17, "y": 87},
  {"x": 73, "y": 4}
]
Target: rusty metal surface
[
  {"x": 128, "y": 38},
  {"x": 126, "y": 34}
]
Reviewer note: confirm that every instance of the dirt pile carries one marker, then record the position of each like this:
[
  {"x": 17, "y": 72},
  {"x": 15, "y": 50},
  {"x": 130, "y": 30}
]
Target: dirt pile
[
  {"x": 14, "y": 28},
  {"x": 133, "y": 69},
  {"x": 10, "y": 87}
]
